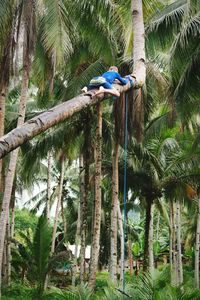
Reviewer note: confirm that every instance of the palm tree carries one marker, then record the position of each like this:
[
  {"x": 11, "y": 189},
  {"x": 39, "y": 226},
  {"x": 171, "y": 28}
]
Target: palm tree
[{"x": 97, "y": 208}]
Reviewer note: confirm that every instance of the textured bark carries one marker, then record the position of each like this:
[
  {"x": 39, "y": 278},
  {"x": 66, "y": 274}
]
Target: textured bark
[
  {"x": 84, "y": 203},
  {"x": 139, "y": 67},
  {"x": 180, "y": 264},
  {"x": 151, "y": 257},
  {"x": 50, "y": 157},
  {"x": 197, "y": 244},
  {"x": 78, "y": 229},
  {"x": 64, "y": 220},
  {"x": 97, "y": 211},
  {"x": 51, "y": 117},
  {"x": 121, "y": 232},
  {"x": 2, "y": 117},
  {"x": 113, "y": 237},
  {"x": 139, "y": 58},
  {"x": 174, "y": 267},
  {"x": 13, "y": 159},
  {"x": 58, "y": 204},
  {"x": 146, "y": 234}
]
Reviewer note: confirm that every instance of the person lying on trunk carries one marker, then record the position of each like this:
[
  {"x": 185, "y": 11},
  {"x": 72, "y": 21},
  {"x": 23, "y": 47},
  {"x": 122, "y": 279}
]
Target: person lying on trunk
[{"x": 105, "y": 82}]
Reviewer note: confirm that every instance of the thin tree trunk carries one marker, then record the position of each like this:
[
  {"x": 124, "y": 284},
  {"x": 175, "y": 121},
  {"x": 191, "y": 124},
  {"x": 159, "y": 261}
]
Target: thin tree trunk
[
  {"x": 171, "y": 239},
  {"x": 121, "y": 231},
  {"x": 146, "y": 237},
  {"x": 151, "y": 257},
  {"x": 180, "y": 265},
  {"x": 197, "y": 244},
  {"x": 2, "y": 117},
  {"x": 84, "y": 203},
  {"x": 97, "y": 212},
  {"x": 49, "y": 179},
  {"x": 14, "y": 155},
  {"x": 64, "y": 220},
  {"x": 174, "y": 268},
  {"x": 113, "y": 238},
  {"x": 78, "y": 229},
  {"x": 58, "y": 204}
]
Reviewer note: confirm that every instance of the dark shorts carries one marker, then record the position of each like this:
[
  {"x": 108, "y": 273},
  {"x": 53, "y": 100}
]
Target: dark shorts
[{"x": 105, "y": 85}]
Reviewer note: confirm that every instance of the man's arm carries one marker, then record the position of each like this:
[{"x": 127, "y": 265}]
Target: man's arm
[{"x": 123, "y": 81}]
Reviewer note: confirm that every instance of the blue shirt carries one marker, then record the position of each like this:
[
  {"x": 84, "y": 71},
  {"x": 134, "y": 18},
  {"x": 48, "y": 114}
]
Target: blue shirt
[{"x": 110, "y": 77}]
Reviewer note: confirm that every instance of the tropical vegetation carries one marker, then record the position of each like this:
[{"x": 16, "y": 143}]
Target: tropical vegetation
[{"x": 99, "y": 196}]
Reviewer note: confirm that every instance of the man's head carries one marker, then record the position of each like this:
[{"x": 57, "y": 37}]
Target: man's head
[{"x": 113, "y": 68}]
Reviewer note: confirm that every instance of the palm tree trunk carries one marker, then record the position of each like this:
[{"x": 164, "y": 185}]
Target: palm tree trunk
[
  {"x": 174, "y": 267},
  {"x": 50, "y": 158},
  {"x": 14, "y": 155},
  {"x": 146, "y": 234},
  {"x": 139, "y": 68},
  {"x": 121, "y": 231},
  {"x": 197, "y": 244},
  {"x": 139, "y": 58},
  {"x": 2, "y": 118},
  {"x": 97, "y": 211},
  {"x": 64, "y": 220},
  {"x": 78, "y": 226},
  {"x": 180, "y": 265},
  {"x": 115, "y": 191},
  {"x": 151, "y": 257},
  {"x": 83, "y": 207},
  {"x": 58, "y": 204},
  {"x": 54, "y": 116}
]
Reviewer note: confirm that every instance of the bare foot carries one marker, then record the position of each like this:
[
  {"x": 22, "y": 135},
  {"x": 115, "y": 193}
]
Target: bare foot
[
  {"x": 113, "y": 92},
  {"x": 84, "y": 89}
]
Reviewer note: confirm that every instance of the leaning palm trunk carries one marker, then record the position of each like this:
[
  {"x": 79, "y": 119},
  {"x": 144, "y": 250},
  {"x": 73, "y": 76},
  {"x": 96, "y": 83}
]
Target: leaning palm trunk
[
  {"x": 97, "y": 210},
  {"x": 121, "y": 231},
  {"x": 46, "y": 120},
  {"x": 151, "y": 257},
  {"x": 14, "y": 155},
  {"x": 197, "y": 248},
  {"x": 113, "y": 239}
]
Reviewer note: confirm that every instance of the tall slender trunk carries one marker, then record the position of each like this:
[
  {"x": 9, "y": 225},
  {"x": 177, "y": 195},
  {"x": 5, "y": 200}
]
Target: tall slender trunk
[
  {"x": 50, "y": 158},
  {"x": 151, "y": 257},
  {"x": 121, "y": 232},
  {"x": 139, "y": 58},
  {"x": 97, "y": 211},
  {"x": 2, "y": 118},
  {"x": 83, "y": 206},
  {"x": 64, "y": 219},
  {"x": 139, "y": 67},
  {"x": 58, "y": 204},
  {"x": 146, "y": 237},
  {"x": 171, "y": 239},
  {"x": 174, "y": 266},
  {"x": 180, "y": 264},
  {"x": 197, "y": 244},
  {"x": 115, "y": 191},
  {"x": 14, "y": 155},
  {"x": 78, "y": 226}
]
